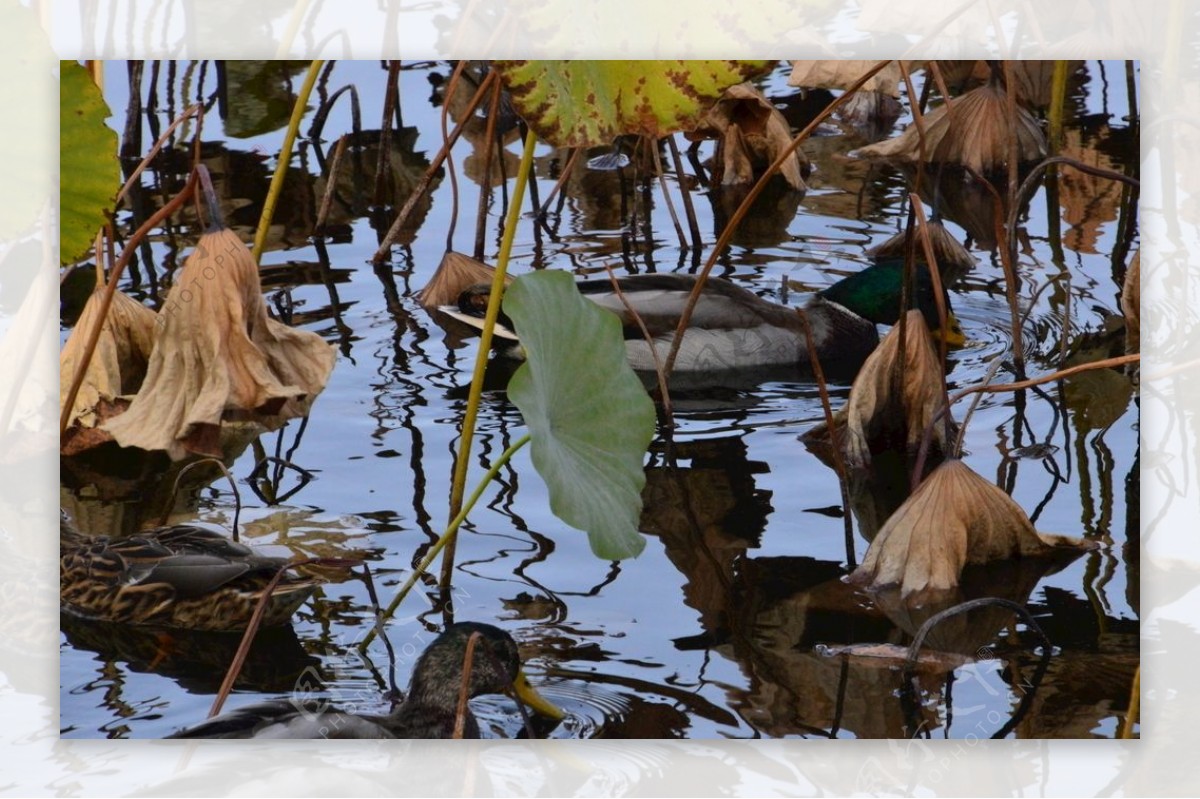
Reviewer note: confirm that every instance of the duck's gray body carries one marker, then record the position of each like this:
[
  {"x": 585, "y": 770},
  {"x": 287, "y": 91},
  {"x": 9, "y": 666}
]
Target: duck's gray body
[{"x": 730, "y": 327}]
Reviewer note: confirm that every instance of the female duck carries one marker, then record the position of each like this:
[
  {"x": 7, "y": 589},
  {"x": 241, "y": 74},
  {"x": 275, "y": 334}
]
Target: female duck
[
  {"x": 430, "y": 709},
  {"x": 733, "y": 328},
  {"x": 183, "y": 576}
]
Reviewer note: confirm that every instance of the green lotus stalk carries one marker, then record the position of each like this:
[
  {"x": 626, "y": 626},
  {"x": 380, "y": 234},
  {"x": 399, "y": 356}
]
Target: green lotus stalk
[
  {"x": 445, "y": 538},
  {"x": 285, "y": 156}
]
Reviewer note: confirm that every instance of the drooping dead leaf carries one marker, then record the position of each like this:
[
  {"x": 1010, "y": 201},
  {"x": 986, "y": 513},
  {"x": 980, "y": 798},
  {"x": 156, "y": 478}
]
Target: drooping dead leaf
[
  {"x": 751, "y": 133},
  {"x": 118, "y": 364},
  {"x": 953, "y": 519},
  {"x": 890, "y": 407},
  {"x": 953, "y": 259},
  {"x": 972, "y": 132},
  {"x": 455, "y": 274},
  {"x": 218, "y": 356},
  {"x": 1033, "y": 80},
  {"x": 874, "y": 107}
]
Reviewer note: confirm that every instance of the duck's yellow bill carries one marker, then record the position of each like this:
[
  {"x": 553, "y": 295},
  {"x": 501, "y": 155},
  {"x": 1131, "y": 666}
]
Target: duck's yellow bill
[
  {"x": 538, "y": 703},
  {"x": 952, "y": 333}
]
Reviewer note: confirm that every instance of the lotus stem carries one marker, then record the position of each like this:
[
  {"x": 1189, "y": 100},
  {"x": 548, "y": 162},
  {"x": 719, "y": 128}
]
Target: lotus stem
[
  {"x": 285, "y": 156},
  {"x": 447, "y": 536},
  {"x": 489, "y": 325}
]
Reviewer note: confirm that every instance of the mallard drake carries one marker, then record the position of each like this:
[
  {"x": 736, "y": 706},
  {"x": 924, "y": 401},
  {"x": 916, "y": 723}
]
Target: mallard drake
[
  {"x": 429, "y": 710},
  {"x": 731, "y": 327},
  {"x": 182, "y": 576}
]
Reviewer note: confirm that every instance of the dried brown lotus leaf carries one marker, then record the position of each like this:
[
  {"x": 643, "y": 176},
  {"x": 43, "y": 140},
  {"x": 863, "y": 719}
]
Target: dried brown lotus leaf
[
  {"x": 887, "y": 408},
  {"x": 118, "y": 363},
  {"x": 218, "y": 356},
  {"x": 455, "y": 274},
  {"x": 837, "y": 74},
  {"x": 953, "y": 519},
  {"x": 751, "y": 133},
  {"x": 953, "y": 259},
  {"x": 973, "y": 132}
]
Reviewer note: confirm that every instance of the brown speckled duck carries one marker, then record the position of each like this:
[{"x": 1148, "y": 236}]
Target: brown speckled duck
[{"x": 183, "y": 576}]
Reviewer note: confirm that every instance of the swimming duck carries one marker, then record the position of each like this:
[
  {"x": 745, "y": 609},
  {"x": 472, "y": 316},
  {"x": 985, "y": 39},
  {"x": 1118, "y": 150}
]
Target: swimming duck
[
  {"x": 732, "y": 327},
  {"x": 428, "y": 711},
  {"x": 183, "y": 576}
]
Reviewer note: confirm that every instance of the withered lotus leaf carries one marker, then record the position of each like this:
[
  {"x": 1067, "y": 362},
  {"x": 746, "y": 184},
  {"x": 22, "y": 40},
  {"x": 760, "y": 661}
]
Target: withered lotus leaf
[
  {"x": 953, "y": 519},
  {"x": 218, "y": 356},
  {"x": 842, "y": 74},
  {"x": 455, "y": 273},
  {"x": 953, "y": 259},
  {"x": 751, "y": 133},
  {"x": 118, "y": 363},
  {"x": 890, "y": 407},
  {"x": 973, "y": 132}
]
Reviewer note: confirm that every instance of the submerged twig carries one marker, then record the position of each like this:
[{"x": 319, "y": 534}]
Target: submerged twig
[
  {"x": 385, "y": 246},
  {"x": 914, "y": 651},
  {"x": 839, "y": 464},
  {"x": 237, "y": 497}
]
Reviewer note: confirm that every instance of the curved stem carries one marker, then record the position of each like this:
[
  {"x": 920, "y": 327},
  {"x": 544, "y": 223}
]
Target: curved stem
[
  {"x": 109, "y": 290},
  {"x": 744, "y": 208},
  {"x": 445, "y": 538},
  {"x": 489, "y": 325}
]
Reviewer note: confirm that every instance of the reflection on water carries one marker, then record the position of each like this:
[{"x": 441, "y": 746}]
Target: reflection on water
[{"x": 736, "y": 621}]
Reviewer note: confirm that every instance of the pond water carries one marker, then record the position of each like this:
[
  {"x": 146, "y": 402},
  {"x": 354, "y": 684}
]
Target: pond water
[{"x": 725, "y": 626}]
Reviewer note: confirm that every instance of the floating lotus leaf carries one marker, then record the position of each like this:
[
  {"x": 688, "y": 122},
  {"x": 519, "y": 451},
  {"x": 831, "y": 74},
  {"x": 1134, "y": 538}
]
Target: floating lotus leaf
[
  {"x": 217, "y": 356},
  {"x": 953, "y": 519},
  {"x": 890, "y": 407},
  {"x": 750, "y": 133},
  {"x": 87, "y": 161},
  {"x": 974, "y": 132},
  {"x": 589, "y": 416},
  {"x": 118, "y": 363},
  {"x": 589, "y": 103}
]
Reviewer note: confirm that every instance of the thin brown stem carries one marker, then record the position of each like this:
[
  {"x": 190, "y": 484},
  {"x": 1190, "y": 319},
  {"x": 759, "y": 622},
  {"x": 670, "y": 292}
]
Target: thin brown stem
[
  {"x": 385, "y": 246},
  {"x": 740, "y": 213},
  {"x": 835, "y": 445},
  {"x": 110, "y": 289}
]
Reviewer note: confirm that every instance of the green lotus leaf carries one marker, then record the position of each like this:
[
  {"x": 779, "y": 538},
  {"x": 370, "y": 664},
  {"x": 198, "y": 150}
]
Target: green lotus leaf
[
  {"x": 588, "y": 414},
  {"x": 589, "y": 103},
  {"x": 87, "y": 161}
]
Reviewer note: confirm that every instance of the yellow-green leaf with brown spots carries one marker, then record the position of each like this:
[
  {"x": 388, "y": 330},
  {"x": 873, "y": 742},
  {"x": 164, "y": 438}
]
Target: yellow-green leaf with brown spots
[{"x": 589, "y": 103}]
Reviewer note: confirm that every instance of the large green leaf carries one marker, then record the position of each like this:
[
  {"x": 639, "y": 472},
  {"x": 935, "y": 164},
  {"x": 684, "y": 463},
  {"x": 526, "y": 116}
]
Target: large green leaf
[
  {"x": 588, "y": 103},
  {"x": 87, "y": 161},
  {"x": 588, "y": 414}
]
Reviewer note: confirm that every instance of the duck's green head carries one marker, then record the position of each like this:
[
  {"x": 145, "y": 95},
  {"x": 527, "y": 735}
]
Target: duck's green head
[
  {"x": 495, "y": 666},
  {"x": 874, "y": 294}
]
